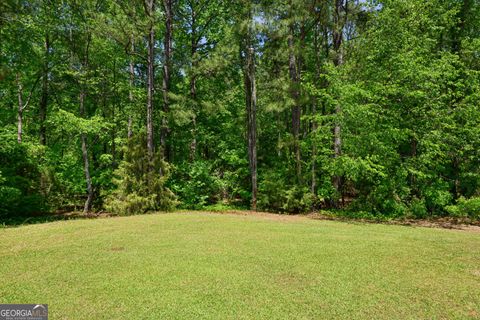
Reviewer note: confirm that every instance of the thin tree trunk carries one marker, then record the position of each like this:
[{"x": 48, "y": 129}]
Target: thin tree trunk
[
  {"x": 193, "y": 97},
  {"x": 193, "y": 84},
  {"x": 22, "y": 105},
  {"x": 131, "y": 87},
  {"x": 20, "y": 109},
  {"x": 150, "y": 7},
  {"x": 129, "y": 128},
  {"x": 339, "y": 23},
  {"x": 44, "y": 99},
  {"x": 313, "y": 185},
  {"x": 296, "y": 109},
  {"x": 251, "y": 102},
  {"x": 459, "y": 29},
  {"x": 114, "y": 106},
  {"x": 166, "y": 75},
  {"x": 88, "y": 203}
]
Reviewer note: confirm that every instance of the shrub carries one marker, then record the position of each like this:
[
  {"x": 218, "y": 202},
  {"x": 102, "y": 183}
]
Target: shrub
[
  {"x": 418, "y": 209},
  {"x": 465, "y": 208},
  {"x": 140, "y": 183},
  {"x": 196, "y": 185},
  {"x": 275, "y": 194},
  {"x": 20, "y": 190}
]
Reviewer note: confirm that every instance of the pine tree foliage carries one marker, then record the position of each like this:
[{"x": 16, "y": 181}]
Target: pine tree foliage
[{"x": 140, "y": 182}]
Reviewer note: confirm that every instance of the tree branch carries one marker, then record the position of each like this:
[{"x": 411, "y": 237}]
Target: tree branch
[{"x": 31, "y": 93}]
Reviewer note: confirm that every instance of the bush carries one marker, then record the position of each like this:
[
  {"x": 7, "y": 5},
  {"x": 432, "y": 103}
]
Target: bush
[
  {"x": 9, "y": 198},
  {"x": 196, "y": 185},
  {"x": 20, "y": 189},
  {"x": 275, "y": 194},
  {"x": 418, "y": 209},
  {"x": 465, "y": 208},
  {"x": 140, "y": 183}
]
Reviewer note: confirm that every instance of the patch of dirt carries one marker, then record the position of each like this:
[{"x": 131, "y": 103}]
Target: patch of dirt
[
  {"x": 440, "y": 223},
  {"x": 266, "y": 215},
  {"x": 117, "y": 249},
  {"x": 290, "y": 280},
  {"x": 81, "y": 215},
  {"x": 443, "y": 223}
]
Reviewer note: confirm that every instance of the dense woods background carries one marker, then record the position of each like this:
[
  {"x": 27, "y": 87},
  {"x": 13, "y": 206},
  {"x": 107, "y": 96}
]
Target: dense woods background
[{"x": 281, "y": 105}]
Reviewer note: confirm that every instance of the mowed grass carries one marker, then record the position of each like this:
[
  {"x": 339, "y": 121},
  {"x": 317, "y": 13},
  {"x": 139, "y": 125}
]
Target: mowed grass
[{"x": 213, "y": 266}]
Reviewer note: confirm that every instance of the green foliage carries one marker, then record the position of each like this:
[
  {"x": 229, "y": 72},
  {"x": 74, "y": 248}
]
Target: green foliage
[
  {"x": 465, "y": 208},
  {"x": 68, "y": 123},
  {"x": 405, "y": 96},
  {"x": 222, "y": 207},
  {"x": 418, "y": 208},
  {"x": 20, "y": 189},
  {"x": 9, "y": 198},
  {"x": 196, "y": 184},
  {"x": 276, "y": 195},
  {"x": 140, "y": 182}
]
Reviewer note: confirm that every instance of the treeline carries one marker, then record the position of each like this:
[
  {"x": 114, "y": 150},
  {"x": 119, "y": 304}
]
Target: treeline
[{"x": 284, "y": 105}]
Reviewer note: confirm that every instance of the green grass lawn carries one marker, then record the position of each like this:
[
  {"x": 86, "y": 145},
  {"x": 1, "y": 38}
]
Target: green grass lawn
[{"x": 212, "y": 266}]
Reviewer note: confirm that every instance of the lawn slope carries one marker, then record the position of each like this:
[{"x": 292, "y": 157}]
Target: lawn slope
[{"x": 212, "y": 266}]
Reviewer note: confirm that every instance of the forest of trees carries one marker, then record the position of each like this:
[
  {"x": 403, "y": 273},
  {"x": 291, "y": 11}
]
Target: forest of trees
[{"x": 130, "y": 106}]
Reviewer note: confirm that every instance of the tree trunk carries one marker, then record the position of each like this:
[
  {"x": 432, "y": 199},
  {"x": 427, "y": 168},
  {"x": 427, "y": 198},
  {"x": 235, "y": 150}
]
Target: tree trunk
[
  {"x": 86, "y": 165},
  {"x": 129, "y": 128},
  {"x": 339, "y": 23},
  {"x": 459, "y": 30},
  {"x": 44, "y": 98},
  {"x": 251, "y": 102},
  {"x": 296, "y": 109},
  {"x": 193, "y": 97},
  {"x": 131, "y": 87},
  {"x": 251, "y": 106},
  {"x": 88, "y": 203},
  {"x": 166, "y": 75},
  {"x": 113, "y": 113},
  {"x": 313, "y": 185},
  {"x": 20, "y": 109},
  {"x": 193, "y": 84},
  {"x": 149, "y": 8}
]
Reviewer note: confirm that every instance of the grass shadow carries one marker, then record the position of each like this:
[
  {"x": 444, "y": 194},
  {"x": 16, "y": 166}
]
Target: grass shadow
[{"x": 46, "y": 218}]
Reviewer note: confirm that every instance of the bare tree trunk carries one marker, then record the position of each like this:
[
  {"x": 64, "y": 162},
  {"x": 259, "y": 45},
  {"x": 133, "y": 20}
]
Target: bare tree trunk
[
  {"x": 129, "y": 128},
  {"x": 44, "y": 98},
  {"x": 149, "y": 8},
  {"x": 88, "y": 203},
  {"x": 113, "y": 114},
  {"x": 193, "y": 84},
  {"x": 339, "y": 23},
  {"x": 313, "y": 186},
  {"x": 22, "y": 105},
  {"x": 193, "y": 97},
  {"x": 20, "y": 109},
  {"x": 296, "y": 109},
  {"x": 166, "y": 75},
  {"x": 251, "y": 105},
  {"x": 131, "y": 86},
  {"x": 251, "y": 102}
]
